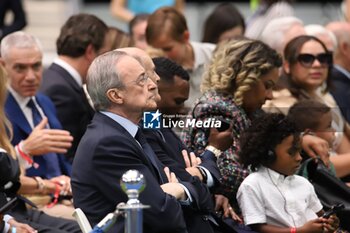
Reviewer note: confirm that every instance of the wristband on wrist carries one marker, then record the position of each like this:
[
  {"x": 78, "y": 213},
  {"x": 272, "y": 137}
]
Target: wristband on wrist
[
  {"x": 293, "y": 230},
  {"x": 25, "y": 155},
  {"x": 56, "y": 195},
  {"x": 214, "y": 150}
]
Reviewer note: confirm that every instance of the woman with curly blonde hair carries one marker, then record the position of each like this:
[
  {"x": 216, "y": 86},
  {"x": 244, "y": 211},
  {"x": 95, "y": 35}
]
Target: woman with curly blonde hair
[{"x": 240, "y": 78}]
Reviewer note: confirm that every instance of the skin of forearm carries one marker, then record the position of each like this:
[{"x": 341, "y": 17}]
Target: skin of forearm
[{"x": 341, "y": 163}]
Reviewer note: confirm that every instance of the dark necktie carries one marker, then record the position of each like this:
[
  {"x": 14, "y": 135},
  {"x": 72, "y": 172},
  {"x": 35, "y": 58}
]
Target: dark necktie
[
  {"x": 151, "y": 155},
  {"x": 35, "y": 112},
  {"x": 52, "y": 168}
]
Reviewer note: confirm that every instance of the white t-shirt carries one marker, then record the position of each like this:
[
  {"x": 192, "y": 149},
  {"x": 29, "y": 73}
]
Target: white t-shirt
[
  {"x": 266, "y": 196},
  {"x": 202, "y": 56}
]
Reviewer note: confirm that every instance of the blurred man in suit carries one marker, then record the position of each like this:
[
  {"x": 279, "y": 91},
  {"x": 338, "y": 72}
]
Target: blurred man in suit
[
  {"x": 82, "y": 38},
  {"x": 341, "y": 69}
]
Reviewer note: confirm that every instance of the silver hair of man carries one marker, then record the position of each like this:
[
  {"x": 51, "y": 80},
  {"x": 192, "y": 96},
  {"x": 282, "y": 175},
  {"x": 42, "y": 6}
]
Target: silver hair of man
[
  {"x": 320, "y": 31},
  {"x": 19, "y": 40},
  {"x": 102, "y": 76},
  {"x": 274, "y": 33}
]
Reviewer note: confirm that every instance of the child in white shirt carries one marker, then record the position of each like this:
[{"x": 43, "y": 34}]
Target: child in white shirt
[{"x": 272, "y": 199}]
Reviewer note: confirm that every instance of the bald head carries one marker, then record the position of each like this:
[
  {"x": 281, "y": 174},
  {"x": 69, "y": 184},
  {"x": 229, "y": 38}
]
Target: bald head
[
  {"x": 338, "y": 26},
  {"x": 341, "y": 31},
  {"x": 133, "y": 51}
]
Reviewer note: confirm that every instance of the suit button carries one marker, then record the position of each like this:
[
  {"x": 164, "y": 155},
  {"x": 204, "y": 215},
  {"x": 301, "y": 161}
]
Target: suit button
[{"x": 205, "y": 218}]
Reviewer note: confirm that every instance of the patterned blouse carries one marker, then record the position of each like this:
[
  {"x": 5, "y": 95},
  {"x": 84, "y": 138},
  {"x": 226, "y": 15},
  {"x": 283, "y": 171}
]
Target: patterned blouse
[{"x": 219, "y": 106}]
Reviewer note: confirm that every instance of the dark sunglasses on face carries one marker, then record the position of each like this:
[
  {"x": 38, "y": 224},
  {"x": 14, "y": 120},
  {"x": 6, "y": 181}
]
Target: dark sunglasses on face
[{"x": 306, "y": 59}]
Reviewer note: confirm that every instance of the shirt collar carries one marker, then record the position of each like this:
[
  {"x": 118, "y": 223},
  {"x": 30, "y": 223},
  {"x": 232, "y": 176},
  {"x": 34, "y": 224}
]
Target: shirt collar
[
  {"x": 342, "y": 70},
  {"x": 125, "y": 123},
  {"x": 199, "y": 55},
  {"x": 76, "y": 76},
  {"x": 275, "y": 176},
  {"x": 22, "y": 101}
]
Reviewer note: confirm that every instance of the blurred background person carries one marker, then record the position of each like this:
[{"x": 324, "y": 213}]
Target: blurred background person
[
  {"x": 125, "y": 10},
  {"x": 278, "y": 32},
  {"x": 19, "y": 20},
  {"x": 82, "y": 38},
  {"x": 267, "y": 11},
  {"x": 167, "y": 30},
  {"x": 326, "y": 36},
  {"x": 341, "y": 68},
  {"x": 117, "y": 38},
  {"x": 316, "y": 117},
  {"x": 225, "y": 22},
  {"x": 137, "y": 30}
]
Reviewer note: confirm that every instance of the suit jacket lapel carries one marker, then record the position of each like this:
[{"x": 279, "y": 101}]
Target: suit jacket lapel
[{"x": 14, "y": 112}]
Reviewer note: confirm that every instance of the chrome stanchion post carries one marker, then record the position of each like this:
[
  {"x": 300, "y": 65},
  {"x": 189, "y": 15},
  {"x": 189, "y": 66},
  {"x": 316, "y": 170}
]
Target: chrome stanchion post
[{"x": 133, "y": 183}]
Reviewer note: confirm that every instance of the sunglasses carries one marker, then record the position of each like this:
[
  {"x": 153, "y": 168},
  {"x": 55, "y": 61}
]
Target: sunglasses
[{"x": 306, "y": 60}]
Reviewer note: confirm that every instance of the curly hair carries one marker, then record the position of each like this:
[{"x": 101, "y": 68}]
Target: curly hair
[
  {"x": 237, "y": 65},
  {"x": 263, "y": 136},
  {"x": 167, "y": 69}
]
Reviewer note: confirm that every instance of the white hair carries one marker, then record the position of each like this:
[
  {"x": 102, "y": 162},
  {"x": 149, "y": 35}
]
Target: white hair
[
  {"x": 319, "y": 31},
  {"x": 18, "y": 39},
  {"x": 102, "y": 76},
  {"x": 274, "y": 32}
]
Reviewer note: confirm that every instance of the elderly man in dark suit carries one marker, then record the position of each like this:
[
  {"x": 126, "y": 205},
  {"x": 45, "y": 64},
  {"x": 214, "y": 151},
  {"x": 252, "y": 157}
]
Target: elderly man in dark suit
[
  {"x": 81, "y": 39},
  {"x": 168, "y": 152},
  {"x": 121, "y": 89},
  {"x": 341, "y": 70}
]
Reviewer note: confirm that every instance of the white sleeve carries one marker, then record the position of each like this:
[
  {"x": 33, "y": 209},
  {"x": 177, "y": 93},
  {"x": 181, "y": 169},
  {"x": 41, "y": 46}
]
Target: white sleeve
[
  {"x": 7, "y": 226},
  {"x": 251, "y": 204},
  {"x": 314, "y": 203}
]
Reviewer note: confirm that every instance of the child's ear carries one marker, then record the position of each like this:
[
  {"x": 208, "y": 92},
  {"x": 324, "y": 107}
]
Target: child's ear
[{"x": 186, "y": 36}]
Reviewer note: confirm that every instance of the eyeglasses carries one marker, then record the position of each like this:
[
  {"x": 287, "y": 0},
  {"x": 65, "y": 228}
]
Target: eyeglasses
[
  {"x": 142, "y": 80},
  {"x": 306, "y": 60}
]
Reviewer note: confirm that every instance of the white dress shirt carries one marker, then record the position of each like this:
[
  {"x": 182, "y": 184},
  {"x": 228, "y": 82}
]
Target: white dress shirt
[{"x": 266, "y": 196}]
